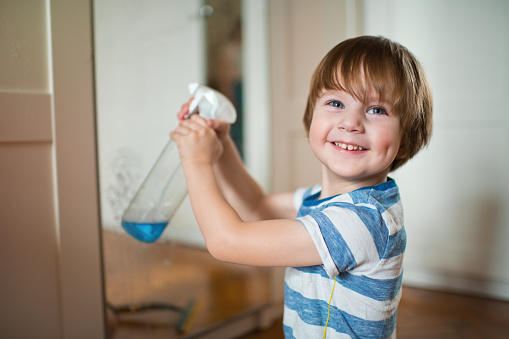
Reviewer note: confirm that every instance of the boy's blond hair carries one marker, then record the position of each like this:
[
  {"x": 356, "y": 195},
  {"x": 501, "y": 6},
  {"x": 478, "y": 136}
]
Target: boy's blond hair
[{"x": 369, "y": 65}]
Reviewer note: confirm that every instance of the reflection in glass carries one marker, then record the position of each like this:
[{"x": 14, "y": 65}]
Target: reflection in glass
[{"x": 146, "y": 52}]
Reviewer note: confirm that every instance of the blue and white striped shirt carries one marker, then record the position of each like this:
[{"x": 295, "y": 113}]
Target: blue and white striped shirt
[{"x": 361, "y": 240}]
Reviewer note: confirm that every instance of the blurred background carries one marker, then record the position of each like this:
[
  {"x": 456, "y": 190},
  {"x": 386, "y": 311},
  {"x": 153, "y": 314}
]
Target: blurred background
[{"x": 89, "y": 91}]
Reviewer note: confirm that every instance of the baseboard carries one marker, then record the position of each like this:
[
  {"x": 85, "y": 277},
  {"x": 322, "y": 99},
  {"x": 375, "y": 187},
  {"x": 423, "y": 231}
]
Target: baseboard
[{"x": 450, "y": 282}]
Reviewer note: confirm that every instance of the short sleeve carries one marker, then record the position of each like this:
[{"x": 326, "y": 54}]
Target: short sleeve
[{"x": 342, "y": 239}]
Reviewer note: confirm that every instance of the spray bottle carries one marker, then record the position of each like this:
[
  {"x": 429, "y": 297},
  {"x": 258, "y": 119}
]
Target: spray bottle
[{"x": 164, "y": 188}]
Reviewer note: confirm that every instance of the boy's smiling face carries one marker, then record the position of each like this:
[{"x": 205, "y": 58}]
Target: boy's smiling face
[{"x": 355, "y": 141}]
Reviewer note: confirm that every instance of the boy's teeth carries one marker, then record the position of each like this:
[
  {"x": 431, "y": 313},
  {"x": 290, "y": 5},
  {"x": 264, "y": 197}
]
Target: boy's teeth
[{"x": 348, "y": 147}]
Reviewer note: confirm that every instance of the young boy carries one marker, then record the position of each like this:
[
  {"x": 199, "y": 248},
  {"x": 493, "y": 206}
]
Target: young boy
[{"x": 369, "y": 111}]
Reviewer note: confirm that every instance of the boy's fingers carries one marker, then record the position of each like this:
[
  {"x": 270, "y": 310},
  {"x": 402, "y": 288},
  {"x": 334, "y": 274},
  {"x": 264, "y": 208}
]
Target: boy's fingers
[
  {"x": 174, "y": 135},
  {"x": 188, "y": 125},
  {"x": 179, "y": 131},
  {"x": 199, "y": 120},
  {"x": 184, "y": 109},
  {"x": 197, "y": 124}
]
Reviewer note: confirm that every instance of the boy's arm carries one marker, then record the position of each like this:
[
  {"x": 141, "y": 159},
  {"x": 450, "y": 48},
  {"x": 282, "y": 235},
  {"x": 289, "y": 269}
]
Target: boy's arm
[
  {"x": 241, "y": 191},
  {"x": 283, "y": 242},
  {"x": 244, "y": 194}
]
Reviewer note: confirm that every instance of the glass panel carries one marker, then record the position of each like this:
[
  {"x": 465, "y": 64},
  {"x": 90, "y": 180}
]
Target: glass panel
[{"x": 146, "y": 52}]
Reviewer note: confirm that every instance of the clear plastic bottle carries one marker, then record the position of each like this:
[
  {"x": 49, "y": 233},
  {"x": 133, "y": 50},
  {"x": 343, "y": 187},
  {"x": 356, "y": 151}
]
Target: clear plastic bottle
[{"x": 164, "y": 188}]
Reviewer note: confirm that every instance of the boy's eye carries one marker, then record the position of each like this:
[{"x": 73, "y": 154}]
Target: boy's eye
[
  {"x": 336, "y": 104},
  {"x": 377, "y": 110}
]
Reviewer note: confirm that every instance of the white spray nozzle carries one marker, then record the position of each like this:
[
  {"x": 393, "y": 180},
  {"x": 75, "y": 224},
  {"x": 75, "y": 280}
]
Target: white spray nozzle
[{"x": 211, "y": 104}]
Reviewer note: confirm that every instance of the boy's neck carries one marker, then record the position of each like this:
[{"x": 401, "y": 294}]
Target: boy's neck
[{"x": 335, "y": 186}]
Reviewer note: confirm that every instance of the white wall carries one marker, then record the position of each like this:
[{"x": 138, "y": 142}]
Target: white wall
[{"x": 455, "y": 192}]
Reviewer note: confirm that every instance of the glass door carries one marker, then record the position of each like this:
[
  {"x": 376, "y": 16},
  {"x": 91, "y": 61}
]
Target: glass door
[{"x": 146, "y": 53}]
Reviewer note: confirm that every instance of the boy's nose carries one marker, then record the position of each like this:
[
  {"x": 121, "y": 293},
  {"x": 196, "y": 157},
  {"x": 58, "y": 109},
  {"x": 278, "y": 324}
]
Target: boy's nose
[{"x": 351, "y": 122}]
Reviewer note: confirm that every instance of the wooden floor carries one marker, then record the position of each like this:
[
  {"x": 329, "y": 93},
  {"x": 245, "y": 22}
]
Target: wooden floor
[
  {"x": 427, "y": 314},
  {"x": 139, "y": 273}
]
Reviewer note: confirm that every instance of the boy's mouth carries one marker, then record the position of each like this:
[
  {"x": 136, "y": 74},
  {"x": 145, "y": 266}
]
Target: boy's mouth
[{"x": 348, "y": 146}]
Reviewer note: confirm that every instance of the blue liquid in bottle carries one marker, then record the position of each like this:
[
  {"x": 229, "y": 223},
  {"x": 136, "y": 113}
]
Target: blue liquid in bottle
[{"x": 145, "y": 231}]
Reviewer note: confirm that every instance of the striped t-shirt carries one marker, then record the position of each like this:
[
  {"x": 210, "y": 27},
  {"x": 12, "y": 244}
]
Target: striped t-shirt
[{"x": 361, "y": 240}]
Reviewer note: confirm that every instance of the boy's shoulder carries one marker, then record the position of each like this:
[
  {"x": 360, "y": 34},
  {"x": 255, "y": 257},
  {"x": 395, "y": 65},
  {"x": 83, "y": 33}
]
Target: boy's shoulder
[
  {"x": 383, "y": 196},
  {"x": 375, "y": 205},
  {"x": 386, "y": 194}
]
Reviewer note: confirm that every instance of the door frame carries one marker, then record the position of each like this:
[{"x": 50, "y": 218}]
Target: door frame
[{"x": 76, "y": 180}]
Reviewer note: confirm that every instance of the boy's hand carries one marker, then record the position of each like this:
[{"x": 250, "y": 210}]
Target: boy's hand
[
  {"x": 222, "y": 128},
  {"x": 197, "y": 142}
]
